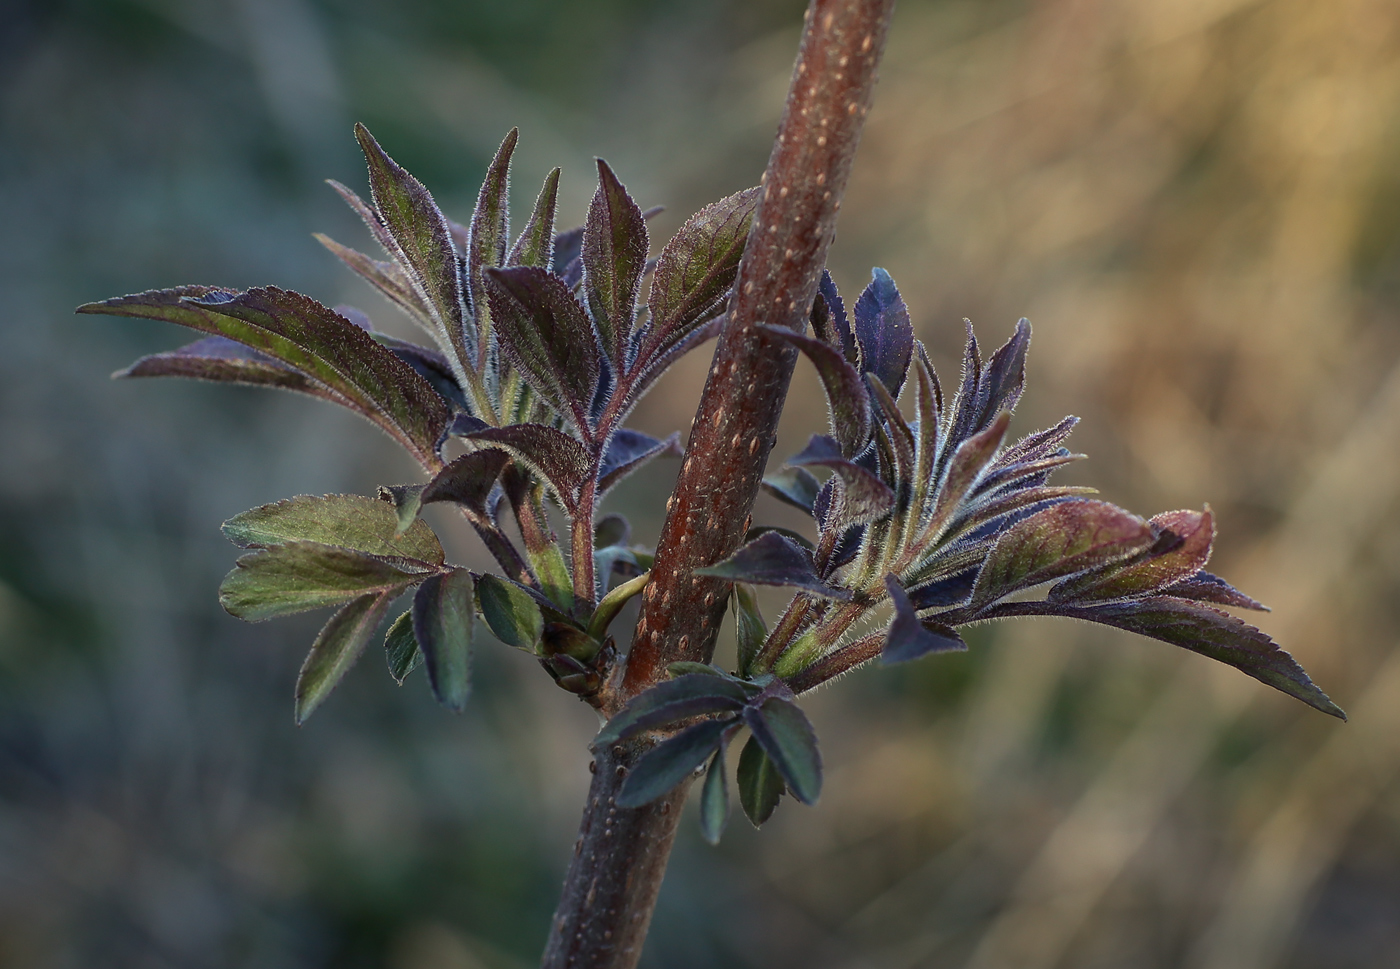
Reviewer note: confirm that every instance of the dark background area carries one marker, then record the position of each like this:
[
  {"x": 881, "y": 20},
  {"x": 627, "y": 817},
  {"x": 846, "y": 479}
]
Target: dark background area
[{"x": 1195, "y": 202}]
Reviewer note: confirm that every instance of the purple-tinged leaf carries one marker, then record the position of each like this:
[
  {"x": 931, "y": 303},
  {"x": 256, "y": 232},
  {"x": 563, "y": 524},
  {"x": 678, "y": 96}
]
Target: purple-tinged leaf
[
  {"x": 647, "y": 370},
  {"x": 787, "y": 737},
  {"x": 773, "y": 559},
  {"x": 909, "y": 637},
  {"x": 557, "y": 458},
  {"x": 423, "y": 240},
  {"x": 219, "y": 359},
  {"x": 760, "y": 784},
  {"x": 614, "y": 257},
  {"x": 388, "y": 277},
  {"x": 793, "y": 486},
  {"x": 788, "y": 533},
  {"x": 1005, "y": 375},
  {"x": 883, "y": 331},
  {"x": 490, "y": 230},
  {"x": 846, "y": 397},
  {"x": 1182, "y": 548},
  {"x": 401, "y": 648},
  {"x": 966, "y": 401},
  {"x": 301, "y": 333},
  {"x": 901, "y": 436},
  {"x": 676, "y": 711},
  {"x": 1205, "y": 587},
  {"x": 611, "y": 529},
  {"x": 944, "y": 592},
  {"x": 749, "y": 628},
  {"x": 964, "y": 468},
  {"x": 670, "y": 762},
  {"x": 1203, "y": 630},
  {"x": 1041, "y": 444},
  {"x": 714, "y": 800},
  {"x": 846, "y": 550},
  {"x": 1022, "y": 474},
  {"x": 696, "y": 270},
  {"x": 992, "y": 507},
  {"x": 548, "y": 337},
  {"x": 863, "y": 497},
  {"x": 352, "y": 522},
  {"x": 568, "y": 249},
  {"x": 468, "y": 480},
  {"x": 837, "y": 312},
  {"x": 301, "y": 576},
  {"x": 512, "y": 613},
  {"x": 928, "y": 415},
  {"x": 429, "y": 364},
  {"x": 442, "y": 624},
  {"x": 1063, "y": 539},
  {"x": 684, "y": 689},
  {"x": 338, "y": 645},
  {"x": 535, "y": 247},
  {"x": 628, "y": 450}
]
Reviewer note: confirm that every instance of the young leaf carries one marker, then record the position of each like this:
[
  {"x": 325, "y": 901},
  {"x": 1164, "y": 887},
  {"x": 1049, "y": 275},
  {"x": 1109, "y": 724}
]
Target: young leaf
[
  {"x": 714, "y": 800},
  {"x": 1039, "y": 445},
  {"x": 1063, "y": 539},
  {"x": 350, "y": 521},
  {"x": 339, "y": 643},
  {"x": 389, "y": 278},
  {"x": 468, "y": 480},
  {"x": 909, "y": 637},
  {"x": 944, "y": 591},
  {"x": 424, "y": 243},
  {"x": 612, "y": 604},
  {"x": 670, "y": 762},
  {"x": 535, "y": 247},
  {"x": 836, "y": 309},
  {"x": 628, "y": 450},
  {"x": 1212, "y": 633},
  {"x": 553, "y": 455},
  {"x": 301, "y": 333},
  {"x": 401, "y": 647},
  {"x": 512, "y": 614},
  {"x": 697, "y": 268},
  {"x": 864, "y": 497},
  {"x": 1205, "y": 587},
  {"x": 567, "y": 248},
  {"x": 548, "y": 337},
  {"x": 793, "y": 486},
  {"x": 760, "y": 784},
  {"x": 883, "y": 331},
  {"x": 773, "y": 559},
  {"x": 749, "y": 628},
  {"x": 442, "y": 625},
  {"x": 300, "y": 576},
  {"x": 614, "y": 256},
  {"x": 846, "y": 397},
  {"x": 967, "y": 464},
  {"x": 1183, "y": 546},
  {"x": 219, "y": 359},
  {"x": 787, "y": 737},
  {"x": 688, "y": 695},
  {"x": 490, "y": 229},
  {"x": 1005, "y": 375}
]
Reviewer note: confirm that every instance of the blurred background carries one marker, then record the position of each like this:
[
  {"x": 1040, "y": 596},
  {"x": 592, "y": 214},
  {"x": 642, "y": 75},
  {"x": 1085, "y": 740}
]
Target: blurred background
[{"x": 1196, "y": 202}]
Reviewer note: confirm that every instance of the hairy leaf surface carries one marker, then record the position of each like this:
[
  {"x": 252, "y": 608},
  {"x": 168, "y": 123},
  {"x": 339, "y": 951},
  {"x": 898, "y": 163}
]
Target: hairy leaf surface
[
  {"x": 338, "y": 645},
  {"x": 350, "y": 521}
]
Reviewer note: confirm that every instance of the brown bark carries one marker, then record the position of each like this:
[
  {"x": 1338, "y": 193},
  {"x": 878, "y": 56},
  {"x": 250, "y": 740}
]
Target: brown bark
[{"x": 617, "y": 868}]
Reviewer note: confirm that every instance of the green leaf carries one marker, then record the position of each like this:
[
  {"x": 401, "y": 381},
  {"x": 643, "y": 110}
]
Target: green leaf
[
  {"x": 671, "y": 762},
  {"x": 535, "y": 247},
  {"x": 688, "y": 695},
  {"x": 760, "y": 784},
  {"x": 612, "y": 604},
  {"x": 389, "y": 278},
  {"x": 221, "y": 360},
  {"x": 512, "y": 614},
  {"x": 401, "y": 647},
  {"x": 614, "y": 256},
  {"x": 301, "y": 333},
  {"x": 300, "y": 576},
  {"x": 787, "y": 737},
  {"x": 350, "y": 521},
  {"x": 338, "y": 645},
  {"x": 846, "y": 397},
  {"x": 557, "y": 458},
  {"x": 714, "y": 800},
  {"x": 1183, "y": 545},
  {"x": 490, "y": 230},
  {"x": 749, "y": 628},
  {"x": 442, "y": 625},
  {"x": 1061, "y": 540}
]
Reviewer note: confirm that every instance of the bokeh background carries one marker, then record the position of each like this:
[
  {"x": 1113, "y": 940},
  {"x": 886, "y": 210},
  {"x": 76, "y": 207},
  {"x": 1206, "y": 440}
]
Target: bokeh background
[{"x": 1197, "y": 203}]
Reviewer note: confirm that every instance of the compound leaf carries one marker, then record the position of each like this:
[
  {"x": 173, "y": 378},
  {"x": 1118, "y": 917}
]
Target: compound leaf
[
  {"x": 442, "y": 625},
  {"x": 338, "y": 645}
]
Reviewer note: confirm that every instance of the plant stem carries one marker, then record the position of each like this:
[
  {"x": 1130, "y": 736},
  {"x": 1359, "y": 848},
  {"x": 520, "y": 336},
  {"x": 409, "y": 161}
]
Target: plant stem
[{"x": 616, "y": 871}]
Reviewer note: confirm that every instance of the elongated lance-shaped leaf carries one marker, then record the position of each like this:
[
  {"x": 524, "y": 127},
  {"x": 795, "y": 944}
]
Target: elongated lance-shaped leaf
[
  {"x": 554, "y": 456},
  {"x": 424, "y": 242},
  {"x": 442, "y": 625},
  {"x": 548, "y": 337},
  {"x": 1041, "y": 444},
  {"x": 1001, "y": 477},
  {"x": 966, "y": 402},
  {"x": 390, "y": 279},
  {"x": 642, "y": 712},
  {"x": 301, "y": 576},
  {"x": 300, "y": 332},
  {"x": 338, "y": 645},
  {"x": 1063, "y": 539},
  {"x": 696, "y": 269},
  {"x": 219, "y": 359},
  {"x": 986, "y": 509},
  {"x": 401, "y": 647},
  {"x": 567, "y": 247},
  {"x": 714, "y": 800},
  {"x": 351, "y": 521},
  {"x": 901, "y": 436},
  {"x": 836, "y": 308},
  {"x": 488, "y": 236},
  {"x": 864, "y": 497},
  {"x": 909, "y": 637},
  {"x": 793, "y": 486},
  {"x": 749, "y": 628},
  {"x": 1200, "y": 629},
  {"x": 846, "y": 397},
  {"x": 1205, "y": 587},
  {"x": 670, "y": 762},
  {"x": 883, "y": 331},
  {"x": 1183, "y": 546},
  {"x": 760, "y": 784},
  {"x": 614, "y": 257},
  {"x": 787, "y": 737},
  {"x": 774, "y": 559},
  {"x": 535, "y": 247},
  {"x": 628, "y": 450},
  {"x": 1004, "y": 377},
  {"x": 928, "y": 413},
  {"x": 968, "y": 462},
  {"x": 512, "y": 614},
  {"x": 611, "y": 604}
]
